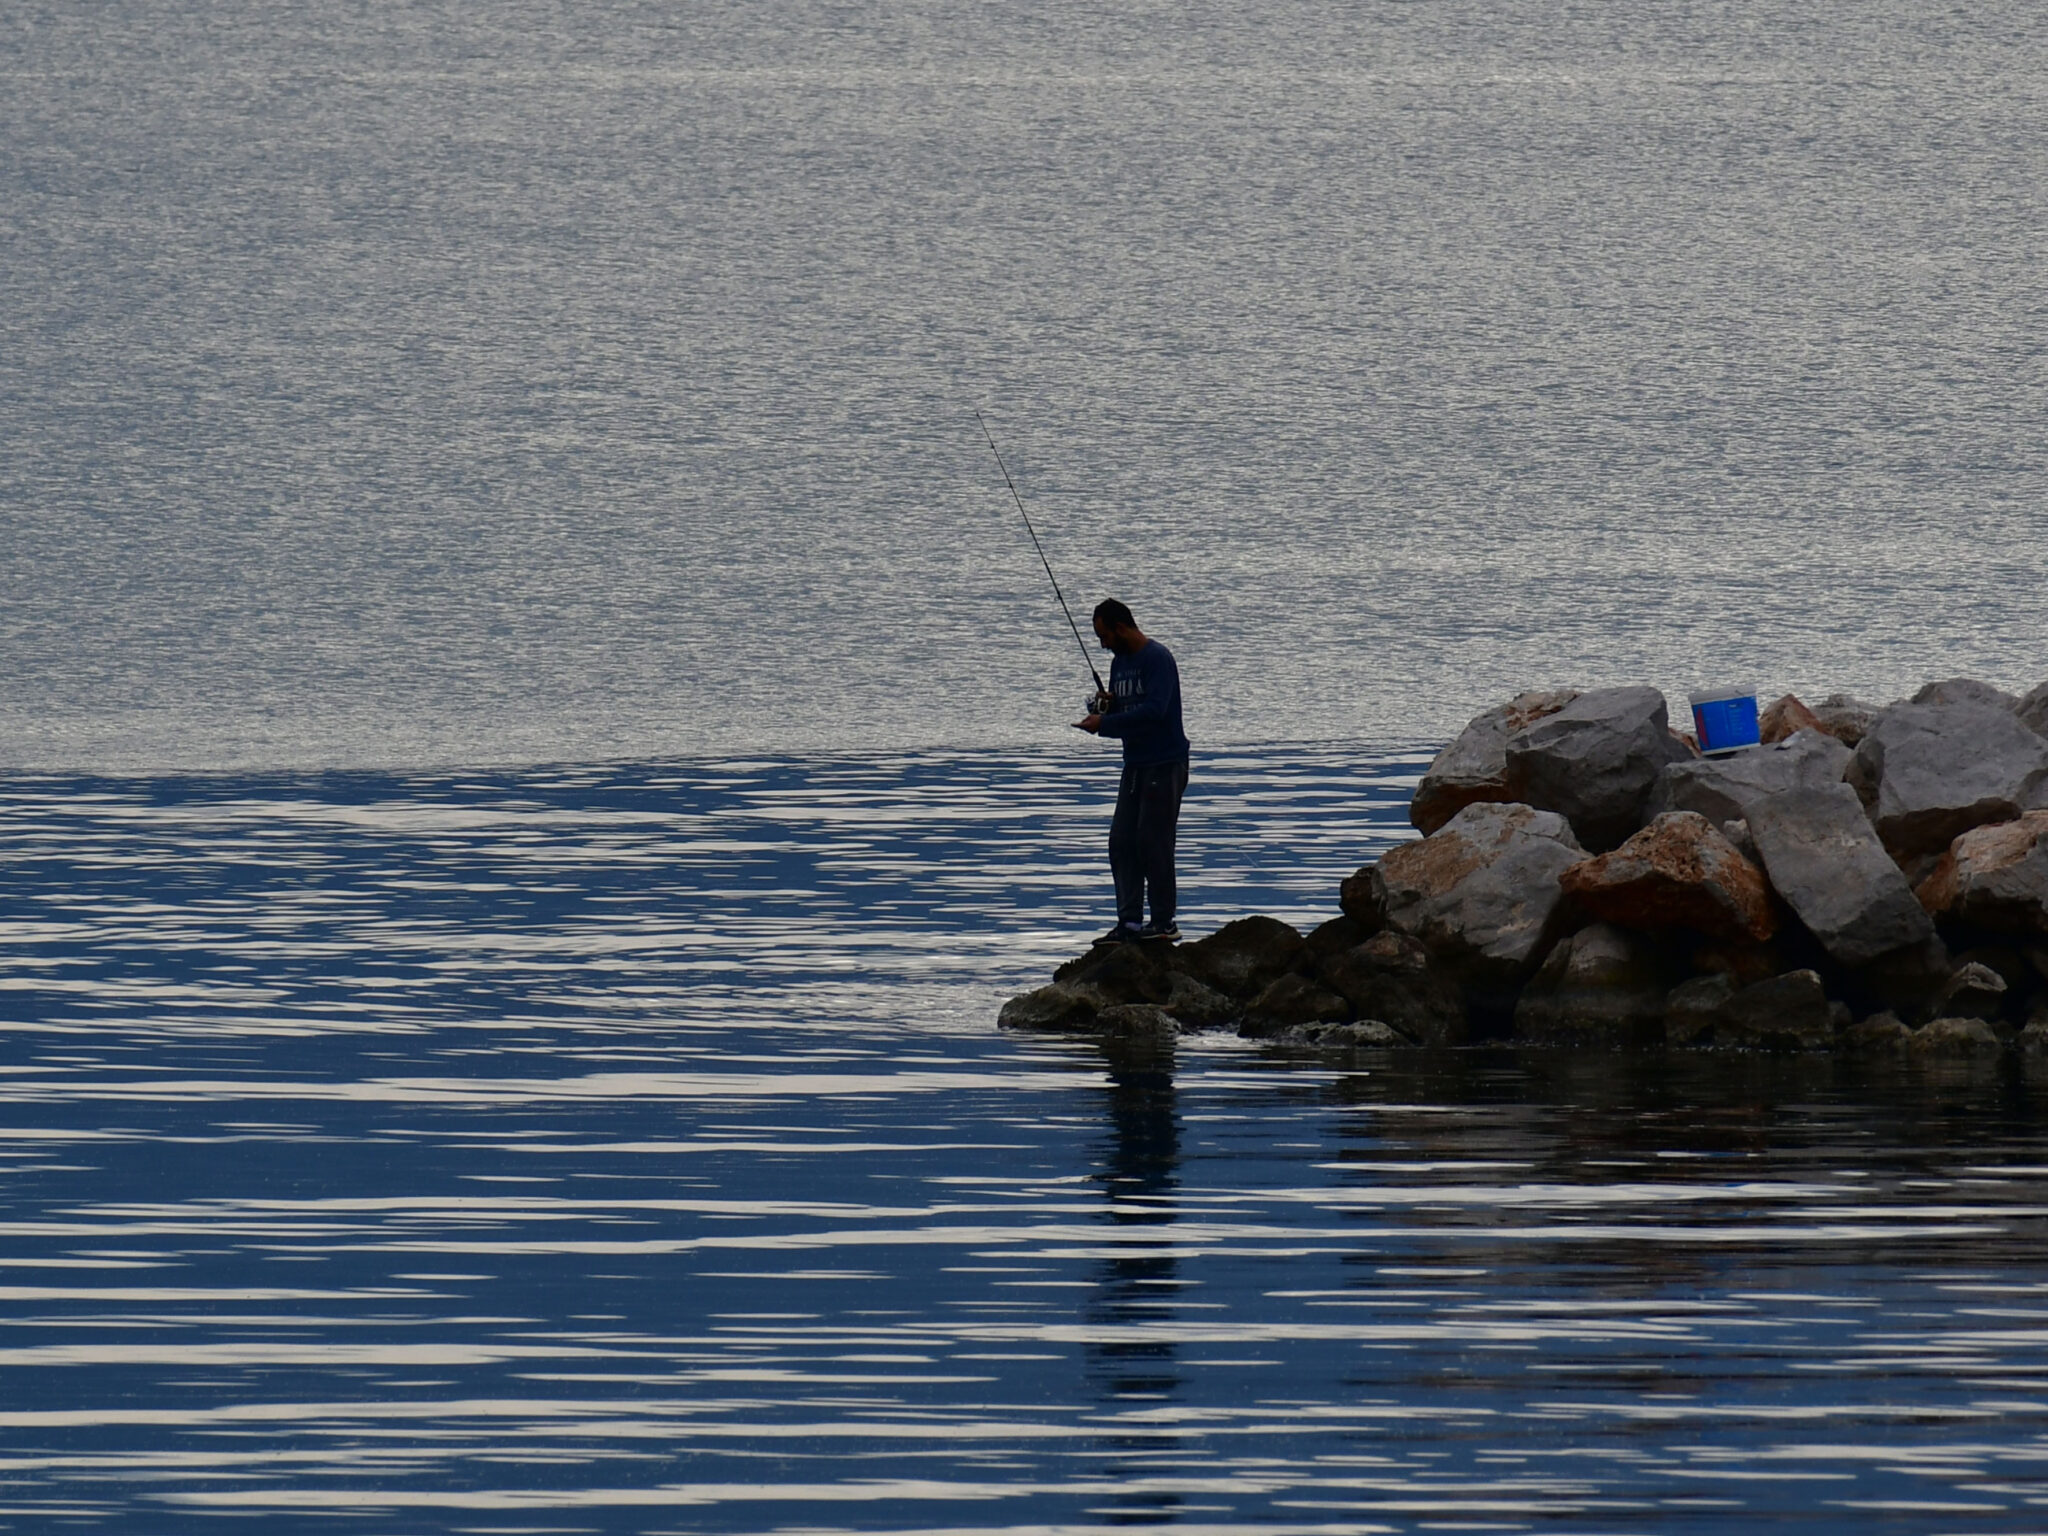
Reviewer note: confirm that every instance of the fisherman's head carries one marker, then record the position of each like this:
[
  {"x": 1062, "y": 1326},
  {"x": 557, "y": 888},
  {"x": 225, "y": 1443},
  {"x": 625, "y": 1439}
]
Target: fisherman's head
[{"x": 1115, "y": 627}]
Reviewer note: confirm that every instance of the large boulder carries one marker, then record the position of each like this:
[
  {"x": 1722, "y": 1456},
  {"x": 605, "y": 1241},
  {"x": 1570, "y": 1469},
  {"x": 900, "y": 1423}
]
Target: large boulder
[
  {"x": 1965, "y": 690},
  {"x": 1602, "y": 986},
  {"x": 1996, "y": 877},
  {"x": 1844, "y": 717},
  {"x": 1474, "y": 768},
  {"x": 1594, "y": 761},
  {"x": 1241, "y": 959},
  {"x": 2033, "y": 709},
  {"x": 1930, "y": 772},
  {"x": 1782, "y": 718},
  {"x": 1389, "y": 978},
  {"x": 1722, "y": 789},
  {"x": 1678, "y": 872},
  {"x": 1482, "y": 893},
  {"x": 1826, "y": 862}
]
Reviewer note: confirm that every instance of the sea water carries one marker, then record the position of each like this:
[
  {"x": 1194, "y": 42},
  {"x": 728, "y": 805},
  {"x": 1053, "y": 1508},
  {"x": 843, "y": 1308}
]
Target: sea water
[
  {"x": 401, "y": 1136},
  {"x": 455, "y": 381},
  {"x": 632, "y": 1149}
]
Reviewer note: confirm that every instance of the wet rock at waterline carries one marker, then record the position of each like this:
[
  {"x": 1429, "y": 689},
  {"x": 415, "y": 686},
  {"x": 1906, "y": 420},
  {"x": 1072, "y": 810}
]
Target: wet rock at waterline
[
  {"x": 1602, "y": 986},
  {"x": 1136, "y": 1021},
  {"x": 1367, "y": 1034},
  {"x": 1693, "y": 1006},
  {"x": 1788, "y": 1012},
  {"x": 1784, "y": 1013},
  {"x": 1197, "y": 1004},
  {"x": 1955, "y": 1038},
  {"x": 1882, "y": 1034},
  {"x": 1293, "y": 1000},
  {"x": 1390, "y": 978},
  {"x": 1052, "y": 1007}
]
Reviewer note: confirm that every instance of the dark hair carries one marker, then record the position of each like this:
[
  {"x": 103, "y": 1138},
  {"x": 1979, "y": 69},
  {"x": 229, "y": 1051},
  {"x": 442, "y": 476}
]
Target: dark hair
[{"x": 1113, "y": 613}]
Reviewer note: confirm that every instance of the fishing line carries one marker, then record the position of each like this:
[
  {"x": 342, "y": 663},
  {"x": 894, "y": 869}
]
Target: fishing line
[{"x": 1086, "y": 659}]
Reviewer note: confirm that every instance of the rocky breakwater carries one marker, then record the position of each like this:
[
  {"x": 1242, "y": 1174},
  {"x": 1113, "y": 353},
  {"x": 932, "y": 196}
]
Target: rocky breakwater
[{"x": 1870, "y": 880}]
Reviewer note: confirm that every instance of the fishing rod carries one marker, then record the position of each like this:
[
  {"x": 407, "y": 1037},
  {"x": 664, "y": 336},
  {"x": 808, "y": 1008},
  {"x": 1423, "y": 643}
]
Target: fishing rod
[{"x": 1088, "y": 660}]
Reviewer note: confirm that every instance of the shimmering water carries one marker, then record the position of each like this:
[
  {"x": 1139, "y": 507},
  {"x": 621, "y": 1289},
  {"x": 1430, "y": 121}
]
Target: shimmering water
[
  {"x": 630, "y": 1149},
  {"x": 447, "y": 381}
]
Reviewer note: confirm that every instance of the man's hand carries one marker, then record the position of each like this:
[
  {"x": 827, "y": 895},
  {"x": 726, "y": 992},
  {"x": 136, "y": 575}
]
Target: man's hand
[{"x": 1092, "y": 725}]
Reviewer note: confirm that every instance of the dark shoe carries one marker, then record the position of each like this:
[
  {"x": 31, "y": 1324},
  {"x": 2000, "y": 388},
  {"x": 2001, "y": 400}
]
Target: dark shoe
[
  {"x": 1169, "y": 932},
  {"x": 1122, "y": 933}
]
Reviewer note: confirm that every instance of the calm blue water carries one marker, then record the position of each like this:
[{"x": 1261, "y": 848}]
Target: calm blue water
[{"x": 630, "y": 1149}]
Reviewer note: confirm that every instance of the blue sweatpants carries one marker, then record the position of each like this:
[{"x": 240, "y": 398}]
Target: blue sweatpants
[{"x": 1141, "y": 840}]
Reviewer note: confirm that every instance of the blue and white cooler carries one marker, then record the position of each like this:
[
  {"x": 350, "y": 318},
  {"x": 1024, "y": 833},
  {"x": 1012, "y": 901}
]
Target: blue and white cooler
[{"x": 1725, "y": 719}]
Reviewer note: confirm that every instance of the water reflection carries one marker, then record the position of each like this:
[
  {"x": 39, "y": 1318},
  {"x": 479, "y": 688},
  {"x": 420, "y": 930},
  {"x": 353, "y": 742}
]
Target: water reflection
[{"x": 1128, "y": 1359}]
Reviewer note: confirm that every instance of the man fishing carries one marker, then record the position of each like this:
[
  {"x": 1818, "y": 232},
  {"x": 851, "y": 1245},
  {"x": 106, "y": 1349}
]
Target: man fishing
[{"x": 1141, "y": 708}]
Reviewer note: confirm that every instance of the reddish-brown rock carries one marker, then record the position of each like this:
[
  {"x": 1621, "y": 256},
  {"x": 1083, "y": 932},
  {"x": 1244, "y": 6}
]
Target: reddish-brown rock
[
  {"x": 1678, "y": 872},
  {"x": 1784, "y": 716},
  {"x": 1996, "y": 876}
]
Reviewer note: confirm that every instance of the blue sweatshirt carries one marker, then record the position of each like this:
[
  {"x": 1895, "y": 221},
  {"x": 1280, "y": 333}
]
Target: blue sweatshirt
[{"x": 1145, "y": 712}]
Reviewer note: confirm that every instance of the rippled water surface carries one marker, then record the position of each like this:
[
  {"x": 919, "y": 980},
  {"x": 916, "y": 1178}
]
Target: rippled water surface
[
  {"x": 504, "y": 380},
  {"x": 630, "y": 1149}
]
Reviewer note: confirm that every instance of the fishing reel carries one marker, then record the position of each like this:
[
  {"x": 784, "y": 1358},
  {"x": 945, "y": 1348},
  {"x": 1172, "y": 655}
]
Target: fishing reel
[{"x": 1100, "y": 702}]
